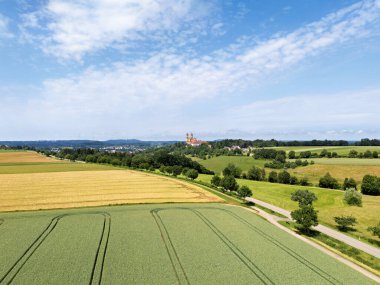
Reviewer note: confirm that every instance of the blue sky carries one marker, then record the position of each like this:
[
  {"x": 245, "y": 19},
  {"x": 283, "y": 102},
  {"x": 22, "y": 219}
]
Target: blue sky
[{"x": 153, "y": 69}]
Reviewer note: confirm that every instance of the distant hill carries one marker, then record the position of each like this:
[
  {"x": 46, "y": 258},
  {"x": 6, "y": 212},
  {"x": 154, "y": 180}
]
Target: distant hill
[{"x": 85, "y": 143}]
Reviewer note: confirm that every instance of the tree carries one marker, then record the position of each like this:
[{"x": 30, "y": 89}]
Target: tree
[
  {"x": 375, "y": 230},
  {"x": 304, "y": 181},
  {"x": 284, "y": 177},
  {"x": 229, "y": 183},
  {"x": 177, "y": 170},
  {"x": 162, "y": 168},
  {"x": 280, "y": 157},
  {"x": 292, "y": 154},
  {"x": 256, "y": 173},
  {"x": 353, "y": 153},
  {"x": 192, "y": 174},
  {"x": 370, "y": 185},
  {"x": 305, "y": 217},
  {"x": 353, "y": 197},
  {"x": 293, "y": 180},
  {"x": 244, "y": 191},
  {"x": 272, "y": 177},
  {"x": 345, "y": 223},
  {"x": 303, "y": 197},
  {"x": 215, "y": 180},
  {"x": 375, "y": 154},
  {"x": 169, "y": 169},
  {"x": 231, "y": 169},
  {"x": 368, "y": 154},
  {"x": 328, "y": 181},
  {"x": 349, "y": 183}
]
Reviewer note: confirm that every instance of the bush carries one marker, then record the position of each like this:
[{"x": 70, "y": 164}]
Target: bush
[
  {"x": 192, "y": 174},
  {"x": 244, "y": 191},
  {"x": 371, "y": 185},
  {"x": 293, "y": 180},
  {"x": 304, "y": 181},
  {"x": 353, "y": 153},
  {"x": 177, "y": 170},
  {"x": 256, "y": 173},
  {"x": 229, "y": 183},
  {"x": 345, "y": 223},
  {"x": 215, "y": 180},
  {"x": 349, "y": 183},
  {"x": 283, "y": 177},
  {"x": 328, "y": 181},
  {"x": 272, "y": 177},
  {"x": 353, "y": 197},
  {"x": 375, "y": 230}
]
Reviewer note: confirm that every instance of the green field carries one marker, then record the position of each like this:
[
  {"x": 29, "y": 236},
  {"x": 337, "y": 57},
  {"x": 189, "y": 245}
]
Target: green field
[
  {"x": 159, "y": 244},
  {"x": 329, "y": 204},
  {"x": 344, "y": 161},
  {"x": 339, "y": 168},
  {"x": 340, "y": 150},
  {"x": 218, "y": 163},
  {"x": 37, "y": 167}
]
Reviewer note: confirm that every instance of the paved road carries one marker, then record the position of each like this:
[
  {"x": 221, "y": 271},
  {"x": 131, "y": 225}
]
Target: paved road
[{"x": 323, "y": 229}]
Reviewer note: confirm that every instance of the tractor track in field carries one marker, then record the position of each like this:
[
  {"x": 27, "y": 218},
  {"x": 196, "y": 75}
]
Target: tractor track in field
[
  {"x": 170, "y": 249},
  {"x": 13, "y": 271},
  {"x": 237, "y": 251},
  {"x": 231, "y": 246},
  {"x": 286, "y": 249}
]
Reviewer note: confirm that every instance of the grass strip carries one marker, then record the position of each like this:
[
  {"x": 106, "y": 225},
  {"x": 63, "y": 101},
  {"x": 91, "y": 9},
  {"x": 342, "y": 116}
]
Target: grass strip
[{"x": 351, "y": 253}]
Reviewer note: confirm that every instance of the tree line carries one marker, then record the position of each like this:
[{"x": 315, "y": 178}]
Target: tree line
[{"x": 149, "y": 160}]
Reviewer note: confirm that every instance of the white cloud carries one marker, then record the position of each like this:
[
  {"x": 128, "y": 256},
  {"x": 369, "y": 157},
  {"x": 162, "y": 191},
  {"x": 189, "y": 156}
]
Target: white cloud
[
  {"x": 157, "y": 89},
  {"x": 75, "y": 28},
  {"x": 179, "y": 78},
  {"x": 351, "y": 110},
  {"x": 4, "y": 27}
]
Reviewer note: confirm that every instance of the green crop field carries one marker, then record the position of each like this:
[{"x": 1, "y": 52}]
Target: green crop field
[
  {"x": 329, "y": 204},
  {"x": 159, "y": 244},
  {"x": 339, "y": 168},
  {"x": 217, "y": 164},
  {"x": 340, "y": 150}
]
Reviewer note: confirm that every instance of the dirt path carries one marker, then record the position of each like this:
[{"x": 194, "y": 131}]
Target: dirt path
[{"x": 323, "y": 229}]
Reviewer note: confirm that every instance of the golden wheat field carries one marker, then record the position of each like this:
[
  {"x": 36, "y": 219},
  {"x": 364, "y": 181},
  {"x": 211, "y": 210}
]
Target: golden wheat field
[
  {"x": 32, "y": 191},
  {"x": 25, "y": 157}
]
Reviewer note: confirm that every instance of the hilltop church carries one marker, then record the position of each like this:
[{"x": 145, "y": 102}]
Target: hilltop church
[{"x": 192, "y": 141}]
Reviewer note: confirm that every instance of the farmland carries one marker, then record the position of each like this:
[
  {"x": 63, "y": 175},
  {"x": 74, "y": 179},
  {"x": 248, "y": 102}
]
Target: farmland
[
  {"x": 34, "y": 191},
  {"x": 156, "y": 244},
  {"x": 329, "y": 204},
  {"x": 340, "y": 150},
  {"x": 13, "y": 162},
  {"x": 218, "y": 163},
  {"x": 339, "y": 168}
]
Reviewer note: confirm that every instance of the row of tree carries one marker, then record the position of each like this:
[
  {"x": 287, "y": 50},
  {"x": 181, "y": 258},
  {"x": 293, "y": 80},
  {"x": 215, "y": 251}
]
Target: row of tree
[
  {"x": 150, "y": 159},
  {"x": 370, "y": 184},
  {"x": 306, "y": 216}
]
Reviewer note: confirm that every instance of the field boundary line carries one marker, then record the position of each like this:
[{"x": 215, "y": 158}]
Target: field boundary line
[{"x": 170, "y": 249}]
